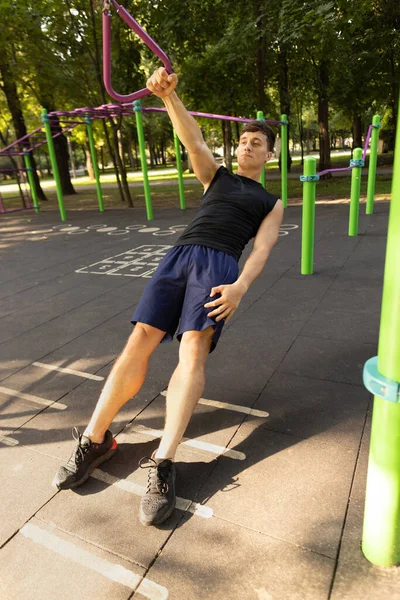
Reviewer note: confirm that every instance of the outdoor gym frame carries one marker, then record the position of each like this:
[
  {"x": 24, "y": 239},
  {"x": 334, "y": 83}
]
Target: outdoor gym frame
[{"x": 310, "y": 178}]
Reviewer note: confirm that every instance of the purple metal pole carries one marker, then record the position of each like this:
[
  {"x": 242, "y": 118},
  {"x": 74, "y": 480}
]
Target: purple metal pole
[
  {"x": 28, "y": 135},
  {"x": 211, "y": 116},
  {"x": 367, "y": 141},
  {"x": 347, "y": 168},
  {"x": 124, "y": 14}
]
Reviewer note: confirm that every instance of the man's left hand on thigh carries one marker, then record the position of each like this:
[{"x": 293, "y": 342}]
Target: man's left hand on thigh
[{"x": 224, "y": 306}]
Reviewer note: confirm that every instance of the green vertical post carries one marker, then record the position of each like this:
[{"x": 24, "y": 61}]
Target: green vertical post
[
  {"x": 381, "y": 534},
  {"x": 284, "y": 159},
  {"x": 180, "y": 171},
  {"x": 28, "y": 165},
  {"x": 137, "y": 107},
  {"x": 54, "y": 165},
  {"x": 308, "y": 219},
  {"x": 260, "y": 117},
  {"x": 93, "y": 154},
  {"x": 356, "y": 163},
  {"x": 373, "y": 155}
]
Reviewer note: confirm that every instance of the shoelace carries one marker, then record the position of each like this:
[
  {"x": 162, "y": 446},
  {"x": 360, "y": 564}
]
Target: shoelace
[
  {"x": 79, "y": 452},
  {"x": 156, "y": 481}
]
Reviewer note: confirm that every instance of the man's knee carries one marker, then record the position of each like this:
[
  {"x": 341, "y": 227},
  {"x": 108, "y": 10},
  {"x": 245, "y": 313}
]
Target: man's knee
[
  {"x": 145, "y": 337},
  {"x": 195, "y": 347}
]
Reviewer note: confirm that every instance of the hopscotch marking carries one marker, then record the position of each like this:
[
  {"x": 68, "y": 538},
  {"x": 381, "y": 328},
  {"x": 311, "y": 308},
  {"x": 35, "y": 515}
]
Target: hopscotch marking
[
  {"x": 141, "y": 261},
  {"x": 69, "y": 371},
  {"x": 110, "y": 570},
  {"x": 133, "y": 488},
  {"x": 8, "y": 441},
  {"x": 234, "y": 407},
  {"x": 16, "y": 394},
  {"x": 218, "y": 450}
]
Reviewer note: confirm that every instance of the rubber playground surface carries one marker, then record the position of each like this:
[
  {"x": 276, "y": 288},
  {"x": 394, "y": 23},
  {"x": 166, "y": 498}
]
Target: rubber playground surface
[{"x": 271, "y": 474}]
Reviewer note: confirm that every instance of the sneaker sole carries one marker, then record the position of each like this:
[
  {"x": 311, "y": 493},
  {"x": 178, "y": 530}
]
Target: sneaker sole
[
  {"x": 92, "y": 467},
  {"x": 162, "y": 519}
]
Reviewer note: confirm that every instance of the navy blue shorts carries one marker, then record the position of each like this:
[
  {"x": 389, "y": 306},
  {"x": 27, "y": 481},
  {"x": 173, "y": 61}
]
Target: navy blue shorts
[{"x": 181, "y": 286}]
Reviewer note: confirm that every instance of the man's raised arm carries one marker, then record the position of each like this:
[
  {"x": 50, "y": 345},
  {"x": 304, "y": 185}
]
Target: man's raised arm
[{"x": 163, "y": 86}]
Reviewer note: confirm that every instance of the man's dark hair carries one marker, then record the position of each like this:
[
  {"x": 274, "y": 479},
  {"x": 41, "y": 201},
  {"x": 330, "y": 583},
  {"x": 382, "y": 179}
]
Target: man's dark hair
[{"x": 264, "y": 129}]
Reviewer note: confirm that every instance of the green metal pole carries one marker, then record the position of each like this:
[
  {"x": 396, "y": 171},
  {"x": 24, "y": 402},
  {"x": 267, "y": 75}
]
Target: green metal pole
[
  {"x": 28, "y": 165},
  {"x": 373, "y": 155},
  {"x": 308, "y": 219},
  {"x": 93, "y": 154},
  {"x": 180, "y": 171},
  {"x": 381, "y": 535},
  {"x": 54, "y": 165},
  {"x": 260, "y": 117},
  {"x": 284, "y": 159},
  {"x": 355, "y": 191},
  {"x": 137, "y": 107}
]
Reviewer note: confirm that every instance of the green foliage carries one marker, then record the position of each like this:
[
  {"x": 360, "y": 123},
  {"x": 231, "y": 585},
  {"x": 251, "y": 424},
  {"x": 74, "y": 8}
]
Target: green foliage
[{"x": 54, "y": 49}]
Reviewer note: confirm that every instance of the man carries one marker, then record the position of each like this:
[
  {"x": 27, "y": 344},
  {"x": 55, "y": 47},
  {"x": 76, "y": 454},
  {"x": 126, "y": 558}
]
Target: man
[{"x": 195, "y": 287}]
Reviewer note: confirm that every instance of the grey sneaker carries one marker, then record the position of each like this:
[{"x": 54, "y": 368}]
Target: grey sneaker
[
  {"x": 84, "y": 459},
  {"x": 159, "y": 501}
]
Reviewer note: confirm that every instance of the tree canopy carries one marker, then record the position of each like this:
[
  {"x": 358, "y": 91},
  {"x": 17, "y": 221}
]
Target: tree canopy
[{"x": 330, "y": 66}]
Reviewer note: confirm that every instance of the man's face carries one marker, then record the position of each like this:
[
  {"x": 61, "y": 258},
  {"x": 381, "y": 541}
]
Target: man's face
[{"x": 252, "y": 151}]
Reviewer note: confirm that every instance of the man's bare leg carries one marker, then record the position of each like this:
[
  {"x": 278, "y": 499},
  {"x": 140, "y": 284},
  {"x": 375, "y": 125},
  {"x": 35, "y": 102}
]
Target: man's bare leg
[
  {"x": 185, "y": 389},
  {"x": 184, "y": 392},
  {"x": 125, "y": 380}
]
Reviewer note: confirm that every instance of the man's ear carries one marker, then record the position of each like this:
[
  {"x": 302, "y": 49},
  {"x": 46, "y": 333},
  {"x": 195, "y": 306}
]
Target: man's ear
[{"x": 268, "y": 157}]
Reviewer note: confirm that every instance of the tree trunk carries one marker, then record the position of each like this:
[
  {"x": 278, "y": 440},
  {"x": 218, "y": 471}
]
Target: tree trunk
[
  {"x": 261, "y": 63},
  {"x": 14, "y": 105},
  {"x": 227, "y": 134},
  {"x": 102, "y": 159},
  {"x": 357, "y": 130},
  {"x": 323, "y": 124},
  {"x": 61, "y": 150},
  {"x": 284, "y": 96},
  {"x": 121, "y": 167},
  {"x": 89, "y": 164},
  {"x": 71, "y": 156},
  {"x": 308, "y": 140},
  {"x": 129, "y": 147},
  {"x": 393, "y": 99}
]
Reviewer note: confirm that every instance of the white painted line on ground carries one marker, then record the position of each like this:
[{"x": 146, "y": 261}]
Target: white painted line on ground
[
  {"x": 8, "y": 441},
  {"x": 70, "y": 371},
  {"x": 225, "y": 405},
  {"x": 16, "y": 394},
  {"x": 133, "y": 488},
  {"x": 113, "y": 571},
  {"x": 219, "y": 450}
]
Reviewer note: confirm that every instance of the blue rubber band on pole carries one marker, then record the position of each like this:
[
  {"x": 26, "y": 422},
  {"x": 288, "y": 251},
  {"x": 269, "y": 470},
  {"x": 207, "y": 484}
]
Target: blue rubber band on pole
[
  {"x": 284, "y": 122},
  {"x": 378, "y": 126},
  {"x": 378, "y": 384},
  {"x": 137, "y": 106},
  {"x": 306, "y": 178},
  {"x": 357, "y": 162}
]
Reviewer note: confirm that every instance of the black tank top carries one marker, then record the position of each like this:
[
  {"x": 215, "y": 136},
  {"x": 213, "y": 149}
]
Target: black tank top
[{"x": 230, "y": 213}]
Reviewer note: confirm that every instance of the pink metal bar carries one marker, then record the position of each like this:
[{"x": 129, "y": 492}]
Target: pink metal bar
[
  {"x": 134, "y": 25},
  {"x": 213, "y": 116},
  {"x": 367, "y": 141},
  {"x": 11, "y": 170},
  {"x": 28, "y": 135}
]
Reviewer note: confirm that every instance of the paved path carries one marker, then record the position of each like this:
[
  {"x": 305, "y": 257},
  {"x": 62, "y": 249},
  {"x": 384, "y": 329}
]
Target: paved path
[{"x": 271, "y": 476}]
